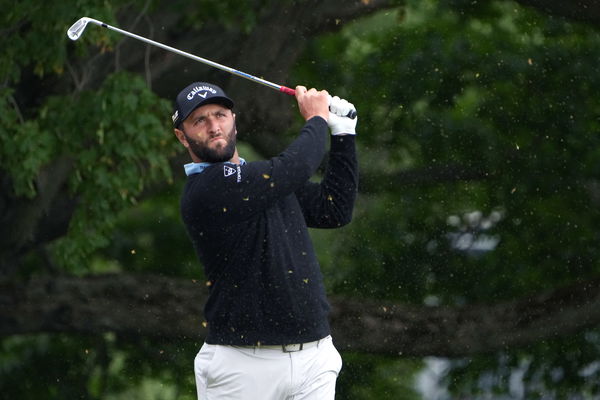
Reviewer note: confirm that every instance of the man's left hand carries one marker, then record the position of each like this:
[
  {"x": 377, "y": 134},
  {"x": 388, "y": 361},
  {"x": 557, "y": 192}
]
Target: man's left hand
[{"x": 339, "y": 122}]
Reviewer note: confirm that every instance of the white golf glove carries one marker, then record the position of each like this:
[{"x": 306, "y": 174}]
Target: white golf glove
[{"x": 339, "y": 122}]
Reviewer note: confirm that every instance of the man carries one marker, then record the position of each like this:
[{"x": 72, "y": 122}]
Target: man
[{"x": 268, "y": 333}]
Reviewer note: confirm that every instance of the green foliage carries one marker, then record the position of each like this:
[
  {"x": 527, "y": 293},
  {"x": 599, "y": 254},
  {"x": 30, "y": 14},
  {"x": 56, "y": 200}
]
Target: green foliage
[
  {"x": 151, "y": 238},
  {"x": 230, "y": 14},
  {"x": 24, "y": 146},
  {"x": 365, "y": 377},
  {"x": 34, "y": 35},
  {"x": 485, "y": 91},
  {"x": 116, "y": 137},
  {"x": 122, "y": 148},
  {"x": 563, "y": 368},
  {"x": 99, "y": 367},
  {"x": 508, "y": 96}
]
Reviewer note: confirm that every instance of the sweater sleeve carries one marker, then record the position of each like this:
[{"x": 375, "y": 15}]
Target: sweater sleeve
[
  {"x": 231, "y": 193},
  {"x": 329, "y": 204}
]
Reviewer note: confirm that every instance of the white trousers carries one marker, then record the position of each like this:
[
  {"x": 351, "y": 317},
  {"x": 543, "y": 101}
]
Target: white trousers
[{"x": 231, "y": 372}]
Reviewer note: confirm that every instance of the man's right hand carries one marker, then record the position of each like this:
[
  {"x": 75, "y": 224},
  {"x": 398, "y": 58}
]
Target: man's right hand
[{"x": 312, "y": 103}]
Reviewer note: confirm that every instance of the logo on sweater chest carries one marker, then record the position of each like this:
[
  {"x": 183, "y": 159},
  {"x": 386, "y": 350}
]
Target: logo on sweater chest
[{"x": 229, "y": 170}]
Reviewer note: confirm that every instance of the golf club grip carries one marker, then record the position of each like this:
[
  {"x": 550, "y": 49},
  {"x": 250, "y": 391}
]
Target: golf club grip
[
  {"x": 351, "y": 114},
  {"x": 287, "y": 90},
  {"x": 292, "y": 92}
]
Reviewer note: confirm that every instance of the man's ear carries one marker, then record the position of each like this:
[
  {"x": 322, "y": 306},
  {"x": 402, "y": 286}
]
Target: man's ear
[{"x": 181, "y": 137}]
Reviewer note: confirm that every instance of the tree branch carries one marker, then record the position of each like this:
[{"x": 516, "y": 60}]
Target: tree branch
[
  {"x": 133, "y": 305},
  {"x": 579, "y": 10},
  {"x": 463, "y": 331},
  {"x": 371, "y": 182}
]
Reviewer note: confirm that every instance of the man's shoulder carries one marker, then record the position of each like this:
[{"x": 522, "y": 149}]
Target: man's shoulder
[
  {"x": 223, "y": 174},
  {"x": 214, "y": 170}
]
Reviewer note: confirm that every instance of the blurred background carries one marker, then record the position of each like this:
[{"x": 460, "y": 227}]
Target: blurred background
[{"x": 471, "y": 268}]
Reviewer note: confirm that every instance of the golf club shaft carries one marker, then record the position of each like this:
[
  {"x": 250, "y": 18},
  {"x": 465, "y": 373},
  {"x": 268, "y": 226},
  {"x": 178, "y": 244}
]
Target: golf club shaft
[
  {"x": 76, "y": 30},
  {"x": 225, "y": 68}
]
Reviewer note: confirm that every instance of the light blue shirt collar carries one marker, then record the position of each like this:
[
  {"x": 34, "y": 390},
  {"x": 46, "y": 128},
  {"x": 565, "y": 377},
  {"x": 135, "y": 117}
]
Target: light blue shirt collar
[{"x": 196, "y": 168}]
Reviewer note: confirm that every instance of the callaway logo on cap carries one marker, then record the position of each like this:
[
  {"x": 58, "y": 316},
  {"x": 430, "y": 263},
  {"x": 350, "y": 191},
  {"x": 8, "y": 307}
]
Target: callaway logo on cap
[
  {"x": 201, "y": 91},
  {"x": 196, "y": 95}
]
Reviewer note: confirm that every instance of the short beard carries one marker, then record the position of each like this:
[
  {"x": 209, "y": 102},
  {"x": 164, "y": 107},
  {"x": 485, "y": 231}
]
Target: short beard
[{"x": 206, "y": 154}]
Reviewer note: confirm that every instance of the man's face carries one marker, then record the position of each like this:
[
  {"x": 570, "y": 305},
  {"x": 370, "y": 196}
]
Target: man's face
[{"x": 209, "y": 132}]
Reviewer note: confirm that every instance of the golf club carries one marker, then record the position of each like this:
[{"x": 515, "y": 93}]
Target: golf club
[{"x": 76, "y": 30}]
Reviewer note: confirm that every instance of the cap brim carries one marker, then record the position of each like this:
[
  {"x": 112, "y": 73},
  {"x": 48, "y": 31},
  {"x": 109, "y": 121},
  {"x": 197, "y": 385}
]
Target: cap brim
[{"x": 224, "y": 101}]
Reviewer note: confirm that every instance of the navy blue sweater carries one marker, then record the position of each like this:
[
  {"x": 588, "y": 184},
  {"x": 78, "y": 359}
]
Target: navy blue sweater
[{"x": 248, "y": 224}]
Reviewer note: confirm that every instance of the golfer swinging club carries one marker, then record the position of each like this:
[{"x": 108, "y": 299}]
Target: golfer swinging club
[{"x": 268, "y": 334}]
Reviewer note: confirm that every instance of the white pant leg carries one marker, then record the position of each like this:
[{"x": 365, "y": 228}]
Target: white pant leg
[
  {"x": 236, "y": 373},
  {"x": 316, "y": 371},
  {"x": 201, "y": 365}
]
